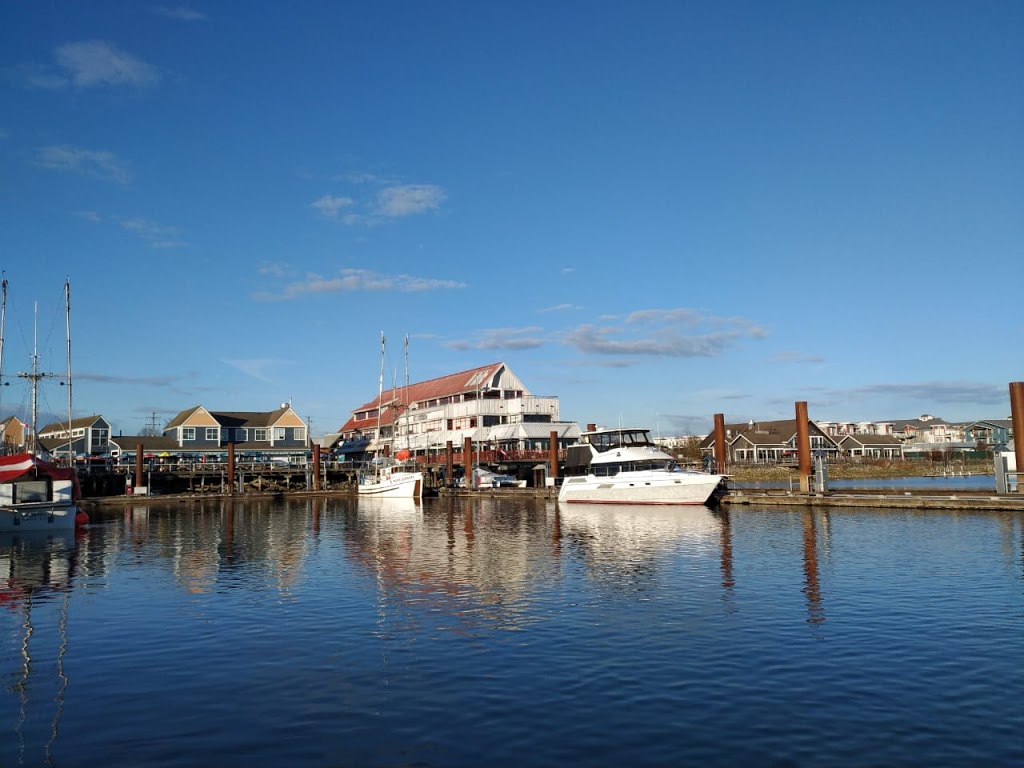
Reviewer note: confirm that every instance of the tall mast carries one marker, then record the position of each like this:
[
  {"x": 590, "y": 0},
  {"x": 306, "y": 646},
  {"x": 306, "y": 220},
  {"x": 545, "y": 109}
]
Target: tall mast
[
  {"x": 405, "y": 397},
  {"x": 380, "y": 390},
  {"x": 67, "y": 308},
  {"x": 3, "y": 325}
]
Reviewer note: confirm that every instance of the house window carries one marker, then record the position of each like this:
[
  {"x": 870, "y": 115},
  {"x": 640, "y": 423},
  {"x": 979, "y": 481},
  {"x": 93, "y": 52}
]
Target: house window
[
  {"x": 241, "y": 435},
  {"x": 212, "y": 433},
  {"x": 188, "y": 433},
  {"x": 260, "y": 435},
  {"x": 279, "y": 433},
  {"x": 100, "y": 437},
  {"x": 300, "y": 433}
]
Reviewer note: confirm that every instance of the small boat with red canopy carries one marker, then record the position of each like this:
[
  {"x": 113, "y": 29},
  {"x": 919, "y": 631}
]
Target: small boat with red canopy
[{"x": 36, "y": 495}]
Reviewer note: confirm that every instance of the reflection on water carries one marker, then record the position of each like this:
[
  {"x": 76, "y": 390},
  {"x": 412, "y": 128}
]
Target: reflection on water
[
  {"x": 461, "y": 631},
  {"x": 36, "y": 573}
]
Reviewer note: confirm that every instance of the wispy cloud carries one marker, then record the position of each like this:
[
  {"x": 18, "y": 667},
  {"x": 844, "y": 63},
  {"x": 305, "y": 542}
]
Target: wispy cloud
[
  {"x": 331, "y": 206},
  {"x": 501, "y": 338},
  {"x": 560, "y": 308},
  {"x": 394, "y": 201},
  {"x": 792, "y": 356},
  {"x": 935, "y": 392},
  {"x": 353, "y": 280},
  {"x": 98, "y": 164},
  {"x": 179, "y": 13},
  {"x": 90, "y": 64},
  {"x": 155, "y": 235},
  {"x": 257, "y": 368},
  {"x": 155, "y": 381},
  {"x": 409, "y": 200},
  {"x": 681, "y": 332}
]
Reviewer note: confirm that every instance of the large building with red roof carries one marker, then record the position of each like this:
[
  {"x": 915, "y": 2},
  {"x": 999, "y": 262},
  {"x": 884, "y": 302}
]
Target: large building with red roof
[{"x": 490, "y": 405}]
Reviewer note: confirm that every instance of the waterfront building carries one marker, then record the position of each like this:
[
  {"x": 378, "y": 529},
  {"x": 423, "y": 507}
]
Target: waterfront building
[
  {"x": 871, "y": 446},
  {"x": 88, "y": 436},
  {"x": 12, "y": 435},
  {"x": 490, "y": 405},
  {"x": 989, "y": 433},
  {"x": 769, "y": 442},
  {"x": 277, "y": 433}
]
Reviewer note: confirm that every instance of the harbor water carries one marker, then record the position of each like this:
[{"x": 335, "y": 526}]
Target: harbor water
[{"x": 510, "y": 631}]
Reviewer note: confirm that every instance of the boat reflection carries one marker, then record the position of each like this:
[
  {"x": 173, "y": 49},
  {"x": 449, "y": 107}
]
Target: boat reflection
[
  {"x": 36, "y": 574},
  {"x": 631, "y": 530}
]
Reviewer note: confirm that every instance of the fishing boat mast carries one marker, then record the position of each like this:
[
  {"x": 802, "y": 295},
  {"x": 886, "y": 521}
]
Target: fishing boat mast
[{"x": 35, "y": 375}]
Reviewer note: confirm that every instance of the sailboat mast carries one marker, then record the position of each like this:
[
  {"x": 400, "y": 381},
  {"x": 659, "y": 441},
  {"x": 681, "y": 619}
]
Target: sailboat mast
[
  {"x": 405, "y": 397},
  {"x": 67, "y": 307},
  {"x": 380, "y": 390},
  {"x": 3, "y": 325},
  {"x": 34, "y": 376}
]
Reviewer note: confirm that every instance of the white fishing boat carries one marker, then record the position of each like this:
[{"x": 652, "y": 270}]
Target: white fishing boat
[
  {"x": 624, "y": 466},
  {"x": 390, "y": 477},
  {"x": 36, "y": 493}
]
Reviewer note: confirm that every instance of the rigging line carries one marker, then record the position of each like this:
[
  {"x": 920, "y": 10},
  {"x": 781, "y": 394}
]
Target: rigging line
[
  {"x": 63, "y": 677},
  {"x": 22, "y": 684}
]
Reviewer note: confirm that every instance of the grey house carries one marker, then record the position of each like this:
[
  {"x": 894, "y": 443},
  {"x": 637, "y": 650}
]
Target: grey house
[
  {"x": 769, "y": 442},
  {"x": 88, "y": 436},
  {"x": 200, "y": 431},
  {"x": 872, "y": 446},
  {"x": 989, "y": 433}
]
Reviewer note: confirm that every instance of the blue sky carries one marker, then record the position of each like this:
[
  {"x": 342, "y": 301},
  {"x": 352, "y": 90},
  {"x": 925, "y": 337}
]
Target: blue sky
[{"x": 657, "y": 211}]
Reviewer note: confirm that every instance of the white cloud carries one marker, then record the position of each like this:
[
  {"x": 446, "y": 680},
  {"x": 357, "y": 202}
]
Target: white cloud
[
  {"x": 155, "y": 235},
  {"x": 94, "y": 62},
  {"x": 180, "y": 13},
  {"x": 501, "y": 338},
  {"x": 96, "y": 163},
  {"x": 331, "y": 206},
  {"x": 681, "y": 332},
  {"x": 352, "y": 280},
  {"x": 408, "y": 200}
]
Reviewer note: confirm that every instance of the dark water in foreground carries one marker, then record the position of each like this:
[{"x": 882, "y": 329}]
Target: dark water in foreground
[{"x": 510, "y": 632}]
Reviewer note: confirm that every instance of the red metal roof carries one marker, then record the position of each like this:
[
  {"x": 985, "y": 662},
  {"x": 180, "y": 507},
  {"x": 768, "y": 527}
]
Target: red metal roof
[{"x": 473, "y": 380}]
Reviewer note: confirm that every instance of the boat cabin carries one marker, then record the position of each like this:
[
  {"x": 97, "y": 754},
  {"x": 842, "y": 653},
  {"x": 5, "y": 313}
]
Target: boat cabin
[{"x": 610, "y": 439}]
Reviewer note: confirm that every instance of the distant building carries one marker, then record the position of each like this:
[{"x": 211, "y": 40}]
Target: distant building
[
  {"x": 88, "y": 436},
  {"x": 489, "y": 405},
  {"x": 12, "y": 435},
  {"x": 769, "y": 442},
  {"x": 989, "y": 433},
  {"x": 198, "y": 431},
  {"x": 871, "y": 446}
]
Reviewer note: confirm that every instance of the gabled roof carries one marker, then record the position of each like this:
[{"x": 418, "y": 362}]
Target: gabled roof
[
  {"x": 764, "y": 433},
  {"x": 999, "y": 423},
  {"x": 398, "y": 398},
  {"x": 231, "y": 418},
  {"x": 82, "y": 422},
  {"x": 188, "y": 414},
  {"x": 864, "y": 439}
]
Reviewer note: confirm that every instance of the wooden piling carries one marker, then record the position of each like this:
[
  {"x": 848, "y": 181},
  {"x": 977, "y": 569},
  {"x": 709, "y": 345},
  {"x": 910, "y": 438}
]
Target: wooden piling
[
  {"x": 803, "y": 445},
  {"x": 720, "y": 443},
  {"x": 1017, "y": 416},
  {"x": 553, "y": 453}
]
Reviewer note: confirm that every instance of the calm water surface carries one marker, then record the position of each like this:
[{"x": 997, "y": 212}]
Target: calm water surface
[{"x": 513, "y": 632}]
